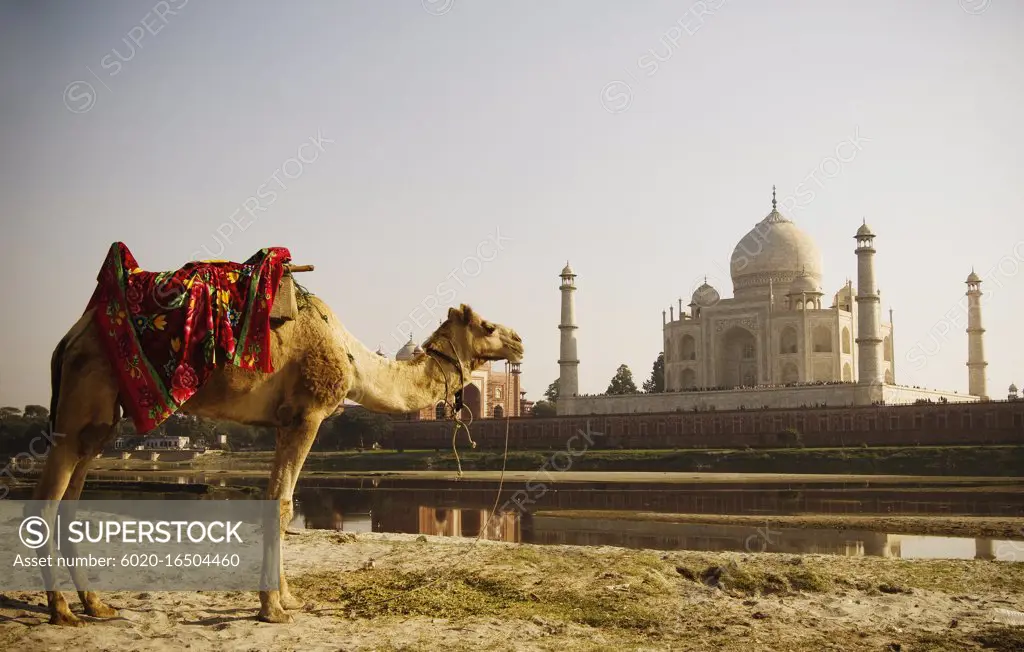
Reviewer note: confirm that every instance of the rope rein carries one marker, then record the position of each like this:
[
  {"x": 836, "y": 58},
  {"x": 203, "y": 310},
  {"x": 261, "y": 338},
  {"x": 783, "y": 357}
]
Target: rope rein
[
  {"x": 456, "y": 407},
  {"x": 501, "y": 479}
]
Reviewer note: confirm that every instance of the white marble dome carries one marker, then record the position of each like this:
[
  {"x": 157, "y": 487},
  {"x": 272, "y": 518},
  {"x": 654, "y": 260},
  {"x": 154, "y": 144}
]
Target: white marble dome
[
  {"x": 407, "y": 351},
  {"x": 705, "y": 296},
  {"x": 775, "y": 251}
]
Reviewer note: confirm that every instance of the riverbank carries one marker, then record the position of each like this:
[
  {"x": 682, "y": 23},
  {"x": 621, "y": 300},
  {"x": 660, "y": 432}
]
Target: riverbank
[
  {"x": 429, "y": 592},
  {"x": 942, "y": 526},
  {"x": 999, "y": 461}
]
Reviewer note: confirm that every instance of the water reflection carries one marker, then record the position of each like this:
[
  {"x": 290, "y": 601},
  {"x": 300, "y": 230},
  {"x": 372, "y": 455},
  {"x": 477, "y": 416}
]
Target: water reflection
[
  {"x": 363, "y": 512},
  {"x": 584, "y": 513}
]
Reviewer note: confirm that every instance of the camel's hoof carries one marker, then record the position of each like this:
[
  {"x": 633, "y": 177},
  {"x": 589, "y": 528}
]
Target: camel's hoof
[
  {"x": 65, "y": 619},
  {"x": 290, "y": 602},
  {"x": 101, "y": 611},
  {"x": 279, "y": 616}
]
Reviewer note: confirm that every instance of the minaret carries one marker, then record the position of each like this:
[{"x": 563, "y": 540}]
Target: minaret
[
  {"x": 869, "y": 306},
  {"x": 975, "y": 345},
  {"x": 568, "y": 363},
  {"x": 514, "y": 406}
]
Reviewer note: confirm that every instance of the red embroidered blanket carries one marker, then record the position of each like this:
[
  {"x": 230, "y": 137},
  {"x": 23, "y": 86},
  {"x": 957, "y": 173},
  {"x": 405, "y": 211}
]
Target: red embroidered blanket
[{"x": 165, "y": 332}]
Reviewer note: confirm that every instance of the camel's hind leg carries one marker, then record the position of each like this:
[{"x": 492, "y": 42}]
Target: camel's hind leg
[
  {"x": 293, "y": 444},
  {"x": 84, "y": 411},
  {"x": 90, "y": 599},
  {"x": 60, "y": 464}
]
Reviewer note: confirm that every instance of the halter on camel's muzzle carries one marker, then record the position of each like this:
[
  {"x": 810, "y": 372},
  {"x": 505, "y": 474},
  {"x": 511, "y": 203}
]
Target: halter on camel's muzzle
[{"x": 457, "y": 395}]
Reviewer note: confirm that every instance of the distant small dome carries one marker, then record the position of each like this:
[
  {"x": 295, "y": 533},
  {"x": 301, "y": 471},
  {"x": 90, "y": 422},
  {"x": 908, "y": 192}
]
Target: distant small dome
[
  {"x": 864, "y": 230},
  {"x": 1013, "y": 388},
  {"x": 705, "y": 296},
  {"x": 804, "y": 283},
  {"x": 407, "y": 351},
  {"x": 843, "y": 297},
  {"x": 567, "y": 271},
  {"x": 973, "y": 278}
]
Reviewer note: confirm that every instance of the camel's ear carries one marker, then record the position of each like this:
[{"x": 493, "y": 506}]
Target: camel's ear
[{"x": 463, "y": 314}]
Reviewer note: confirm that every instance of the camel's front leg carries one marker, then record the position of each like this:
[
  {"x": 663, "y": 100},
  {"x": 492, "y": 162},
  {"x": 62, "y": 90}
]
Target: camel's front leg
[{"x": 293, "y": 444}]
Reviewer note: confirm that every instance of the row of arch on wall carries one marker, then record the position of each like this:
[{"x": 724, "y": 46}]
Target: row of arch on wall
[
  {"x": 472, "y": 399},
  {"x": 821, "y": 342},
  {"x": 687, "y": 378}
]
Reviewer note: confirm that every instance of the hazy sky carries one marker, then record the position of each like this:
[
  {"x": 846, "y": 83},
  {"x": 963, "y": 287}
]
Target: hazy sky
[{"x": 443, "y": 124}]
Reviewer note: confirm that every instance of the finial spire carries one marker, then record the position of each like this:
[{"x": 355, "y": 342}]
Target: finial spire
[
  {"x": 773, "y": 197},
  {"x": 705, "y": 279}
]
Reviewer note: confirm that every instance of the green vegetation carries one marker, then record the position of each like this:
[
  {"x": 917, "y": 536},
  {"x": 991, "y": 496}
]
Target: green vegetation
[
  {"x": 349, "y": 430},
  {"x": 665, "y": 598},
  {"x": 622, "y": 382},
  {"x": 656, "y": 383}
]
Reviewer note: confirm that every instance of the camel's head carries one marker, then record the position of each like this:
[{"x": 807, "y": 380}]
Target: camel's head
[{"x": 479, "y": 339}]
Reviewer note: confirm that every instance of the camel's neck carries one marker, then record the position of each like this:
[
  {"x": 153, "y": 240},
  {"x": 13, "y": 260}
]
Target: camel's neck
[{"x": 385, "y": 385}]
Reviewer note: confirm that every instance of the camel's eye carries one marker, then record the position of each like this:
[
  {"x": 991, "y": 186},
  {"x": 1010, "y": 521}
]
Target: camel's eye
[{"x": 488, "y": 327}]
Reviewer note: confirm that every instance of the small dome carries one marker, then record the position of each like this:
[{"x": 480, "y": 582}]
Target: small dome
[
  {"x": 864, "y": 230},
  {"x": 804, "y": 284},
  {"x": 1013, "y": 388},
  {"x": 705, "y": 296},
  {"x": 843, "y": 296},
  {"x": 973, "y": 278},
  {"x": 567, "y": 271},
  {"x": 407, "y": 351}
]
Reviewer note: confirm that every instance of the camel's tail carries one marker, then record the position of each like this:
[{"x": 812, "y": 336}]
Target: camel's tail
[{"x": 56, "y": 369}]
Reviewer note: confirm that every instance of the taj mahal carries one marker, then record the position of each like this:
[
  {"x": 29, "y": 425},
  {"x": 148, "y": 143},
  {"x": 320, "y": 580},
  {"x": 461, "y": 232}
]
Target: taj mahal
[{"x": 774, "y": 343}]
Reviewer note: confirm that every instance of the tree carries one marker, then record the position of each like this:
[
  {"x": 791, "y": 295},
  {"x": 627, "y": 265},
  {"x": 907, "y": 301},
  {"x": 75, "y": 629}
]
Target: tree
[
  {"x": 551, "y": 393},
  {"x": 36, "y": 412},
  {"x": 353, "y": 428},
  {"x": 656, "y": 383},
  {"x": 622, "y": 382},
  {"x": 9, "y": 412},
  {"x": 543, "y": 409}
]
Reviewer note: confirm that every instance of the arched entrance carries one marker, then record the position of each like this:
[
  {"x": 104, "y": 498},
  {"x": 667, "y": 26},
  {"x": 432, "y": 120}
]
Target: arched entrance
[
  {"x": 689, "y": 379},
  {"x": 737, "y": 358},
  {"x": 471, "y": 399}
]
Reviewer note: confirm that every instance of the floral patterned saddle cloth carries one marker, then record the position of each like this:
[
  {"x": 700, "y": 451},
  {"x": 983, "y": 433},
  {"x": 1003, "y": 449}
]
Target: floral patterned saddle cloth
[{"x": 166, "y": 332}]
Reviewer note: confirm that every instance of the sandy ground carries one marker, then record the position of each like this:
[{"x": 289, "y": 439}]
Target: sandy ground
[{"x": 403, "y": 592}]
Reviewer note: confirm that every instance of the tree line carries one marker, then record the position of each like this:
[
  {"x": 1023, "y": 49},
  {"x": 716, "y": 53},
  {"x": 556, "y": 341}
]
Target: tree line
[
  {"x": 622, "y": 383},
  {"x": 349, "y": 430}
]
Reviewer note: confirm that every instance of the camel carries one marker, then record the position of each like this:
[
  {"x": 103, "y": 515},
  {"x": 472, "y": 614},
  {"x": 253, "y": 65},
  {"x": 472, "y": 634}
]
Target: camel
[{"x": 318, "y": 365}]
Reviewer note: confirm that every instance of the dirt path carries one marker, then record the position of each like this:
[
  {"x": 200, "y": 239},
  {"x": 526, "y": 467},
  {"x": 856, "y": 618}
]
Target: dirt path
[{"x": 432, "y": 593}]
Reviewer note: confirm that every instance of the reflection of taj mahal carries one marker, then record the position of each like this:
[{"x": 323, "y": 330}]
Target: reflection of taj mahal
[{"x": 774, "y": 343}]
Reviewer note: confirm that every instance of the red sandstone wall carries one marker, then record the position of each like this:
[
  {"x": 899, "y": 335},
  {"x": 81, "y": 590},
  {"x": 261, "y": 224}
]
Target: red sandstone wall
[{"x": 904, "y": 425}]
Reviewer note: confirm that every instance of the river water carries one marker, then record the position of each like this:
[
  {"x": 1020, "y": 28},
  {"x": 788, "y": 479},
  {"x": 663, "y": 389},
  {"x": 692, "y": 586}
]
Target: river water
[{"x": 626, "y": 514}]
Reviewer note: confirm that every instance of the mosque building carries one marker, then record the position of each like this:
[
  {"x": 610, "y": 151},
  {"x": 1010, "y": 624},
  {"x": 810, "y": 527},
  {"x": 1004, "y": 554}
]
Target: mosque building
[{"x": 773, "y": 343}]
